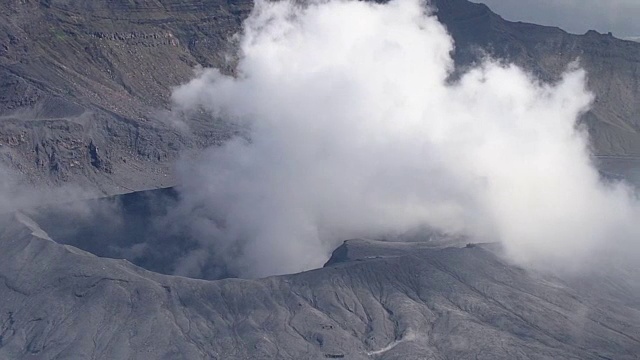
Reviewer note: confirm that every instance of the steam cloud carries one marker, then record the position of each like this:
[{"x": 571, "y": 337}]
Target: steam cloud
[
  {"x": 17, "y": 194},
  {"x": 354, "y": 130}
]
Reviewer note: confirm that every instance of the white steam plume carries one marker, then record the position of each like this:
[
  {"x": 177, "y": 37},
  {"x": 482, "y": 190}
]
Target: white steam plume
[
  {"x": 355, "y": 131},
  {"x": 17, "y": 194}
]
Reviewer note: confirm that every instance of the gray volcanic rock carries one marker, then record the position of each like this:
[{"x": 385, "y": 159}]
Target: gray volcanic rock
[
  {"x": 84, "y": 85},
  {"x": 612, "y": 66},
  {"x": 63, "y": 303}
]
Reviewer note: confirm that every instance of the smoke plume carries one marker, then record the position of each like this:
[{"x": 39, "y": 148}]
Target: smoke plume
[
  {"x": 18, "y": 194},
  {"x": 355, "y": 130}
]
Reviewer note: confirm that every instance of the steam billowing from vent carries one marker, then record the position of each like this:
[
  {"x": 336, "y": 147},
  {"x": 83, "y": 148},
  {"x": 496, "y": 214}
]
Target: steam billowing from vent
[{"x": 355, "y": 131}]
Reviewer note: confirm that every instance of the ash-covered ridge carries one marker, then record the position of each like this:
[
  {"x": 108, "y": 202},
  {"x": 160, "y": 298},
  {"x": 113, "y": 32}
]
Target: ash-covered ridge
[{"x": 408, "y": 301}]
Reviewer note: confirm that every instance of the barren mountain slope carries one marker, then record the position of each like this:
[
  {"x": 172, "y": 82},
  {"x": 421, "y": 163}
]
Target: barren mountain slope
[
  {"x": 83, "y": 84},
  {"x": 381, "y": 301}
]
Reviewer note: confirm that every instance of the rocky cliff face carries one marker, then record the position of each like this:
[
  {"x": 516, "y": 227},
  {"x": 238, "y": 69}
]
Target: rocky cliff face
[
  {"x": 613, "y": 66},
  {"x": 83, "y": 84}
]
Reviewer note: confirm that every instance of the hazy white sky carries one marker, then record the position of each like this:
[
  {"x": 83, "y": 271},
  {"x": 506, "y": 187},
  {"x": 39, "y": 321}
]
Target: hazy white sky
[{"x": 576, "y": 16}]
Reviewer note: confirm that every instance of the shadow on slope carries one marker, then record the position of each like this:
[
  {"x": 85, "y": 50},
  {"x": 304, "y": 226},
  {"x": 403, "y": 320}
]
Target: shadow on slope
[{"x": 138, "y": 227}]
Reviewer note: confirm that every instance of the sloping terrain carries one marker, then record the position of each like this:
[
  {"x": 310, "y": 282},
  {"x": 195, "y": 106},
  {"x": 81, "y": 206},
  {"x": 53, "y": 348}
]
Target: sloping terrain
[
  {"x": 63, "y": 303},
  {"x": 84, "y": 86},
  {"x": 613, "y": 66}
]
